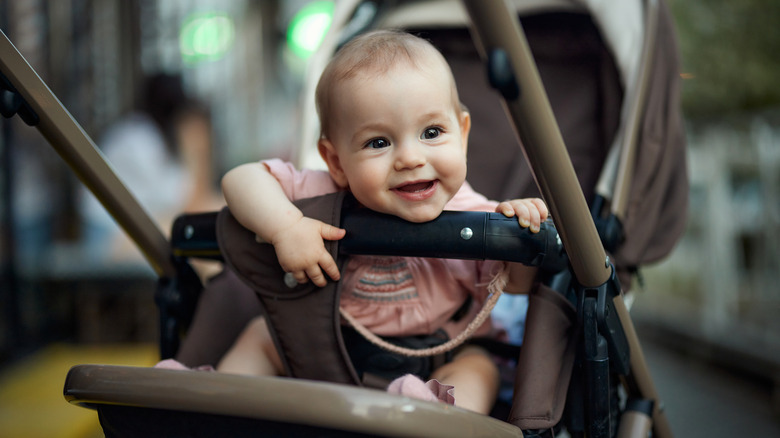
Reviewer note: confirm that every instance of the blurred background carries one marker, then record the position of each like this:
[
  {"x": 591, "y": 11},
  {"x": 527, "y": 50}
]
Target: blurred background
[{"x": 72, "y": 291}]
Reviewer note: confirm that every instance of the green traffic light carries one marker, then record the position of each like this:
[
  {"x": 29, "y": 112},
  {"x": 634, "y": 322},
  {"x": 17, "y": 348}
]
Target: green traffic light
[{"x": 308, "y": 27}]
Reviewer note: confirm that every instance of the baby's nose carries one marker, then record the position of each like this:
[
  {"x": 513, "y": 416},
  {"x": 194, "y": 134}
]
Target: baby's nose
[{"x": 409, "y": 156}]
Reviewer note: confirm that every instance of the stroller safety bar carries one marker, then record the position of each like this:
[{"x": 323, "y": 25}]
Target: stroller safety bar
[
  {"x": 195, "y": 235},
  {"x": 454, "y": 234}
]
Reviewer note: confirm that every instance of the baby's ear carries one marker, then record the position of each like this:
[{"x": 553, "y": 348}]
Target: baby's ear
[
  {"x": 328, "y": 153},
  {"x": 465, "y": 128}
]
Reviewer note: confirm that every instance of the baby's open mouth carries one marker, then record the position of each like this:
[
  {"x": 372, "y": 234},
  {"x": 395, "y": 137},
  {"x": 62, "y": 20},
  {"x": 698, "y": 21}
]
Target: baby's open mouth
[
  {"x": 417, "y": 190},
  {"x": 415, "y": 187}
]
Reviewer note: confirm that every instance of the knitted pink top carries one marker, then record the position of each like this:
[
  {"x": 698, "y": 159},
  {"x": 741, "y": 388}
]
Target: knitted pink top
[{"x": 400, "y": 296}]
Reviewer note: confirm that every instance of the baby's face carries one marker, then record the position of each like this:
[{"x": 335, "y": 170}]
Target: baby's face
[{"x": 400, "y": 141}]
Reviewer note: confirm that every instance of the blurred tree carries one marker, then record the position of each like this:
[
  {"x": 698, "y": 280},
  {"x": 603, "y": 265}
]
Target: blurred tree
[{"x": 729, "y": 55}]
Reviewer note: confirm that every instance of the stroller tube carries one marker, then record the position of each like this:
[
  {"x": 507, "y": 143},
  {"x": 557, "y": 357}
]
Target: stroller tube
[
  {"x": 635, "y": 107},
  {"x": 495, "y": 27},
  {"x": 640, "y": 374},
  {"x": 636, "y": 421}
]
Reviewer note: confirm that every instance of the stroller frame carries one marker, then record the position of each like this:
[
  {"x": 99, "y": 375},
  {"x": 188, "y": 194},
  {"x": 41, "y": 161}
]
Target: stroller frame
[{"x": 608, "y": 335}]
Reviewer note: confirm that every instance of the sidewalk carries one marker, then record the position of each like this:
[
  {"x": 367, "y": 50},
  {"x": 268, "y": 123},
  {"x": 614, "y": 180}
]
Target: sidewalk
[
  {"x": 702, "y": 399},
  {"x": 31, "y": 400},
  {"x": 735, "y": 348}
]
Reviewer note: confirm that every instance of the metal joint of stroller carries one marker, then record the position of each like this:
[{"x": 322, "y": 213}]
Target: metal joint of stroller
[
  {"x": 192, "y": 235},
  {"x": 609, "y": 226},
  {"x": 605, "y": 352},
  {"x": 12, "y": 103},
  {"x": 176, "y": 299},
  {"x": 501, "y": 75},
  {"x": 599, "y": 301}
]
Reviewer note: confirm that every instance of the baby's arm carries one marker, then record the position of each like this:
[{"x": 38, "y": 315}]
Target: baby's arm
[
  {"x": 257, "y": 201},
  {"x": 530, "y": 212}
]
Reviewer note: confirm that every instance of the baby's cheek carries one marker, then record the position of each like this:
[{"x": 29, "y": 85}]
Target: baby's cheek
[{"x": 457, "y": 169}]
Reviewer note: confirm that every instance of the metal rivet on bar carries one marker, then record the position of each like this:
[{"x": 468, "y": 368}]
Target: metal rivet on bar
[
  {"x": 466, "y": 233},
  {"x": 189, "y": 231},
  {"x": 289, "y": 280}
]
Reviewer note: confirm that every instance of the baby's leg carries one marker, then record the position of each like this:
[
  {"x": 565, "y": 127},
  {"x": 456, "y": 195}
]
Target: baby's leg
[
  {"x": 253, "y": 353},
  {"x": 475, "y": 377}
]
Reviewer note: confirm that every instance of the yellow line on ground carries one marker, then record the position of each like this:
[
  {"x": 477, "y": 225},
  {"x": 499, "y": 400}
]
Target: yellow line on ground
[{"x": 31, "y": 400}]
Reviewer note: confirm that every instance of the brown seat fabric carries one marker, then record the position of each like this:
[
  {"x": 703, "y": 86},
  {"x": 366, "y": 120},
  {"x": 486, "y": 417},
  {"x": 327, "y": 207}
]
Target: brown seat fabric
[{"x": 304, "y": 319}]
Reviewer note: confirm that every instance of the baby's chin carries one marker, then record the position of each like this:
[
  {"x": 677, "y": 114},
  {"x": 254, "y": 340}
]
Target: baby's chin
[
  {"x": 419, "y": 216},
  {"x": 416, "y": 214}
]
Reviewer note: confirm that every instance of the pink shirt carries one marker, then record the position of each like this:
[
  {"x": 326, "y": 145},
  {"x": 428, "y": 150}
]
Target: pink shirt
[{"x": 399, "y": 296}]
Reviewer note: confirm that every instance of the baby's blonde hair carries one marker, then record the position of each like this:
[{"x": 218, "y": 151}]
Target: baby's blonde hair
[{"x": 375, "y": 53}]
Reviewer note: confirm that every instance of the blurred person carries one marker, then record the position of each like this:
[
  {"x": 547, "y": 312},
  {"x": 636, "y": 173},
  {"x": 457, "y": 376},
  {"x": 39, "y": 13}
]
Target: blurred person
[{"x": 162, "y": 153}]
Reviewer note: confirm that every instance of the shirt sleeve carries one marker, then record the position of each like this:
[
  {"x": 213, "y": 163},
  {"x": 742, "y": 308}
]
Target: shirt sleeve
[
  {"x": 466, "y": 199},
  {"x": 300, "y": 184}
]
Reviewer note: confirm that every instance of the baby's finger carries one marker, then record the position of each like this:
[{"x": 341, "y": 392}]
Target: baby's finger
[
  {"x": 506, "y": 209},
  {"x": 542, "y": 207},
  {"x": 534, "y": 220},
  {"x": 315, "y": 275},
  {"x": 329, "y": 266},
  {"x": 300, "y": 277},
  {"x": 329, "y": 232},
  {"x": 523, "y": 213}
]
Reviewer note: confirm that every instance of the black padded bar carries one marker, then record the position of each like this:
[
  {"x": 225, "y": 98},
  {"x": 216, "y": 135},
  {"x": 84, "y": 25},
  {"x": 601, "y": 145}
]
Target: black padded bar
[
  {"x": 454, "y": 235},
  {"x": 195, "y": 235}
]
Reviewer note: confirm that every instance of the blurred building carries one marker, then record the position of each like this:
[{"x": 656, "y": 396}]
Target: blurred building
[
  {"x": 717, "y": 295},
  {"x": 93, "y": 55}
]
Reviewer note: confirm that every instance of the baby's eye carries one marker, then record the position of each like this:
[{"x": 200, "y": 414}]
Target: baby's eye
[
  {"x": 378, "y": 143},
  {"x": 431, "y": 133}
]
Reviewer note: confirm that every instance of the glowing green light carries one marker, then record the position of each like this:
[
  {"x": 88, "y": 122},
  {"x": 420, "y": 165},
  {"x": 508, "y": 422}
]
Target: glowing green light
[
  {"x": 308, "y": 27},
  {"x": 206, "y": 37}
]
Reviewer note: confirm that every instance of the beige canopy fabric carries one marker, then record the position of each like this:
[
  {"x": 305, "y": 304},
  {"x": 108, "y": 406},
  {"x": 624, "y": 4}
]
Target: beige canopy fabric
[
  {"x": 585, "y": 67},
  {"x": 658, "y": 202}
]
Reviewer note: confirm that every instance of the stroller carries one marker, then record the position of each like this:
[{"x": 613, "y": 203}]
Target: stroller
[{"x": 580, "y": 341}]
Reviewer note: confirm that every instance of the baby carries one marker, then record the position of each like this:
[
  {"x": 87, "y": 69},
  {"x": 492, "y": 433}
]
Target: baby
[{"x": 394, "y": 134}]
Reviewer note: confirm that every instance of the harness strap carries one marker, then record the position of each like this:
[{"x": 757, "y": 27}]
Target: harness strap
[{"x": 303, "y": 319}]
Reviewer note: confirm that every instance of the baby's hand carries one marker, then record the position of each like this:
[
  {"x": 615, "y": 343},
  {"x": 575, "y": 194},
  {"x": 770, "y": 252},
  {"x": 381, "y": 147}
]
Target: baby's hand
[
  {"x": 301, "y": 250},
  {"x": 531, "y": 212}
]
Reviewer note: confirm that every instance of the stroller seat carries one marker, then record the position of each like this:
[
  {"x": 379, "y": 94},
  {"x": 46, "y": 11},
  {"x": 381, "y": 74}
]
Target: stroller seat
[{"x": 313, "y": 348}]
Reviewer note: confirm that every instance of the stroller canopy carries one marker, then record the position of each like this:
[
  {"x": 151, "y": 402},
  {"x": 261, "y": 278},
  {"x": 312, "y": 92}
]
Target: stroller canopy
[{"x": 590, "y": 57}]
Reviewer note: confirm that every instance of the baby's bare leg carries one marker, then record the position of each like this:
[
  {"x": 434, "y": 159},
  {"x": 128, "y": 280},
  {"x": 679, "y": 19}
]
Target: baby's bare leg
[
  {"x": 253, "y": 353},
  {"x": 475, "y": 377}
]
